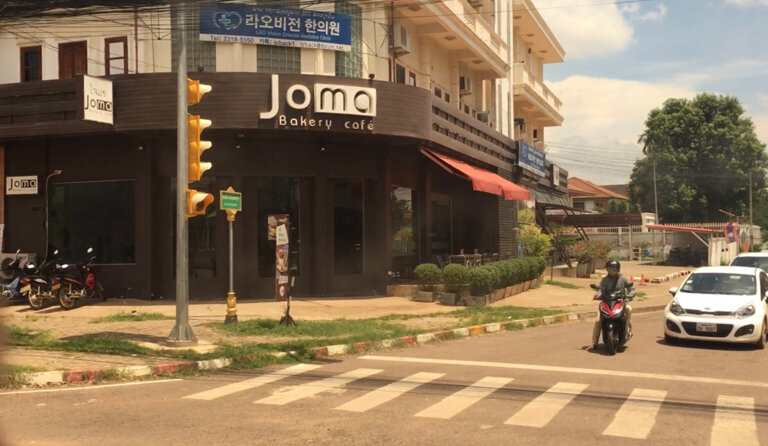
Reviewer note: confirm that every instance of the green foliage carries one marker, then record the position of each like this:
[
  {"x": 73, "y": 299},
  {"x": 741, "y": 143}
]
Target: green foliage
[
  {"x": 617, "y": 206},
  {"x": 481, "y": 281},
  {"x": 131, "y": 317},
  {"x": 427, "y": 275},
  {"x": 535, "y": 242},
  {"x": 703, "y": 150},
  {"x": 526, "y": 217},
  {"x": 455, "y": 275}
]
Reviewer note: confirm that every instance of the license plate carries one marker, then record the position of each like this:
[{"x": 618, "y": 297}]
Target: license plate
[
  {"x": 706, "y": 328},
  {"x": 24, "y": 289}
]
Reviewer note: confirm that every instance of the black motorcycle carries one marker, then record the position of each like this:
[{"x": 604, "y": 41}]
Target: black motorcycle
[
  {"x": 79, "y": 282},
  {"x": 613, "y": 320},
  {"x": 44, "y": 283},
  {"x": 18, "y": 287}
]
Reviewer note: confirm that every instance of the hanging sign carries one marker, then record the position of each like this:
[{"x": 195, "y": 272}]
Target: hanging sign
[{"x": 282, "y": 249}]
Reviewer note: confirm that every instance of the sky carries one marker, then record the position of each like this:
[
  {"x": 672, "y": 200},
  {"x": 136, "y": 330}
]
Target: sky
[{"x": 625, "y": 58}]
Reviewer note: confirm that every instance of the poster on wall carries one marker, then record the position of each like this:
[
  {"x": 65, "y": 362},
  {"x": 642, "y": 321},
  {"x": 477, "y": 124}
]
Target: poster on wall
[{"x": 282, "y": 250}]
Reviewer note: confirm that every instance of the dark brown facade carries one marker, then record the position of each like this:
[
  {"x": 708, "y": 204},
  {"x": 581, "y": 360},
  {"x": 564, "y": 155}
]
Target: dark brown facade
[{"x": 335, "y": 167}]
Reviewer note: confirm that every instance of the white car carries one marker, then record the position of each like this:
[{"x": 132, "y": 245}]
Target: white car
[
  {"x": 754, "y": 259},
  {"x": 719, "y": 303}
]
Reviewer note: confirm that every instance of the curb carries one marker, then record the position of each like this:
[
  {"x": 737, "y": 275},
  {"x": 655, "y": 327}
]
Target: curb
[
  {"x": 43, "y": 379},
  {"x": 670, "y": 276}
]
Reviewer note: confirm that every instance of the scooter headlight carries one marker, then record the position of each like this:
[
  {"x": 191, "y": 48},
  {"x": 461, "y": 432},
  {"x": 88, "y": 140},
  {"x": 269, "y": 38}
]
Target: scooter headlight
[
  {"x": 675, "y": 308},
  {"x": 745, "y": 311}
]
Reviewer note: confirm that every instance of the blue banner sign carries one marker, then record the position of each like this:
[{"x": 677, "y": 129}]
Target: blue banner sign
[
  {"x": 237, "y": 23},
  {"x": 532, "y": 159}
]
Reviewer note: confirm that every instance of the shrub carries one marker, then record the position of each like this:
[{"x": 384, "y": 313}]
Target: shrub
[
  {"x": 455, "y": 275},
  {"x": 535, "y": 242},
  {"x": 427, "y": 275},
  {"x": 481, "y": 281},
  {"x": 586, "y": 250}
]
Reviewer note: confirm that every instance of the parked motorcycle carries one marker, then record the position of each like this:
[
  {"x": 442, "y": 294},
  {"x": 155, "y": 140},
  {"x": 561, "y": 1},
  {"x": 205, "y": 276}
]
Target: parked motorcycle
[
  {"x": 18, "y": 287},
  {"x": 44, "y": 283},
  {"x": 613, "y": 320},
  {"x": 79, "y": 282}
]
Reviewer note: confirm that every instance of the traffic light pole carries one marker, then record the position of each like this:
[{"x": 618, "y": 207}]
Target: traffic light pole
[{"x": 182, "y": 334}]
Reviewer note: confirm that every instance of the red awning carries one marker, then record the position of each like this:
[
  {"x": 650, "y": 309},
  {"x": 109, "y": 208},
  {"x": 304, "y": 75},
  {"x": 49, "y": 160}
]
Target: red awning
[{"x": 482, "y": 180}]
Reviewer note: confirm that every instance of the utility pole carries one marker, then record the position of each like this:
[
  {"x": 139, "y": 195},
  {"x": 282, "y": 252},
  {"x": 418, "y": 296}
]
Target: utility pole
[
  {"x": 750, "y": 210},
  {"x": 182, "y": 334}
]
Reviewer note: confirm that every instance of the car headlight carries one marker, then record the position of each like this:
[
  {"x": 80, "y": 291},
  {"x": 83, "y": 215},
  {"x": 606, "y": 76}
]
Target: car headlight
[
  {"x": 745, "y": 311},
  {"x": 675, "y": 308}
]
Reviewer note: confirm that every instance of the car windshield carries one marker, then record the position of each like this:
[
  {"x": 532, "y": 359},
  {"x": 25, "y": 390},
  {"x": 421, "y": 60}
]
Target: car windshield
[
  {"x": 754, "y": 262},
  {"x": 719, "y": 283}
]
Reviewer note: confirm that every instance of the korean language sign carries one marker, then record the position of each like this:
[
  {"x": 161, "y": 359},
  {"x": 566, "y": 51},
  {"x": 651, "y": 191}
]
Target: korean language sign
[{"x": 237, "y": 23}]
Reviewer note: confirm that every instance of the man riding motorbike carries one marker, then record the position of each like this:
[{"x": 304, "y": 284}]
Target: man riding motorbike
[{"x": 614, "y": 281}]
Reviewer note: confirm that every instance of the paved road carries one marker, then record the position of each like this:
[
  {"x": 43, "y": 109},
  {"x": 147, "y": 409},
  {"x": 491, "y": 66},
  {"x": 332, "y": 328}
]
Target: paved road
[{"x": 536, "y": 386}]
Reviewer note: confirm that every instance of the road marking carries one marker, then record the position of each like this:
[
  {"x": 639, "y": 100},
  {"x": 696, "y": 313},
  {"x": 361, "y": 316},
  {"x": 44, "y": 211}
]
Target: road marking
[
  {"x": 252, "y": 382},
  {"x": 315, "y": 387},
  {"x": 637, "y": 415},
  {"x": 388, "y": 392},
  {"x": 453, "y": 404},
  {"x": 92, "y": 387},
  {"x": 734, "y": 421},
  {"x": 577, "y": 370},
  {"x": 543, "y": 408}
]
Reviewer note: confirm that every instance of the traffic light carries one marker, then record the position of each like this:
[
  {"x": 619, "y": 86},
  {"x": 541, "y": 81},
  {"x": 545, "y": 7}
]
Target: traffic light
[{"x": 197, "y": 202}]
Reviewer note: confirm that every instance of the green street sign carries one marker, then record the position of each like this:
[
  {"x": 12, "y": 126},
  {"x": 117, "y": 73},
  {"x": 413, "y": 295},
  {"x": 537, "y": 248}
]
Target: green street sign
[{"x": 229, "y": 200}]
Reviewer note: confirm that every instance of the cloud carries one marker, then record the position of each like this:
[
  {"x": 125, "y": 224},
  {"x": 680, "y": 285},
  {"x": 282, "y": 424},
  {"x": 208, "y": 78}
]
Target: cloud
[
  {"x": 633, "y": 11},
  {"x": 603, "y": 120},
  {"x": 584, "y": 29},
  {"x": 746, "y": 2}
]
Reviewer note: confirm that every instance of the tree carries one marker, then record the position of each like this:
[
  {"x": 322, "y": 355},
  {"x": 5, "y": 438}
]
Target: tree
[
  {"x": 704, "y": 150},
  {"x": 618, "y": 206}
]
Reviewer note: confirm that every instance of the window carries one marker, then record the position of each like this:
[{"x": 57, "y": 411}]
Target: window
[
  {"x": 278, "y": 59},
  {"x": 350, "y": 63},
  {"x": 348, "y": 226},
  {"x": 399, "y": 74},
  {"x": 98, "y": 215},
  {"x": 447, "y": 97},
  {"x": 73, "y": 59},
  {"x": 412, "y": 78},
  {"x": 116, "y": 55},
  {"x": 438, "y": 92},
  {"x": 201, "y": 56},
  {"x": 31, "y": 63}
]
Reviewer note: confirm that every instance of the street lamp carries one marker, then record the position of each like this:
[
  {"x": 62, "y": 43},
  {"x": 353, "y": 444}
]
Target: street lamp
[{"x": 47, "y": 179}]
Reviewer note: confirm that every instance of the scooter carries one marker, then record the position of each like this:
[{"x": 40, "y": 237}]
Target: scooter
[
  {"x": 613, "y": 320},
  {"x": 78, "y": 282},
  {"x": 18, "y": 287},
  {"x": 44, "y": 284}
]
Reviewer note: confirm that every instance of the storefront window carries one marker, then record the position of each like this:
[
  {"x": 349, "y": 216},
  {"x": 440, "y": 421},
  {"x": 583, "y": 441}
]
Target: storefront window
[
  {"x": 404, "y": 232},
  {"x": 440, "y": 231},
  {"x": 277, "y": 196},
  {"x": 98, "y": 215},
  {"x": 202, "y": 234},
  {"x": 348, "y": 226}
]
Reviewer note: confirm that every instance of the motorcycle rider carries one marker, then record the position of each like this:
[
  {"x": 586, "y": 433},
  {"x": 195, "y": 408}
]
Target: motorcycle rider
[{"x": 614, "y": 281}]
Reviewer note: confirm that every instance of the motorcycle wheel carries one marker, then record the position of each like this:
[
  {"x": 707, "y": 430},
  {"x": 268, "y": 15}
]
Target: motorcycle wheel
[
  {"x": 99, "y": 291},
  {"x": 34, "y": 298},
  {"x": 66, "y": 300},
  {"x": 610, "y": 340}
]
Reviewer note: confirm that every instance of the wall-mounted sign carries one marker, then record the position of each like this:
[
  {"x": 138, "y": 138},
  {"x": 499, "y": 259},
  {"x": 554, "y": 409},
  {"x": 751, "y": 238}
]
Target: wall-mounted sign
[
  {"x": 555, "y": 175},
  {"x": 532, "y": 159},
  {"x": 26, "y": 185},
  {"x": 322, "y": 99},
  {"x": 97, "y": 100},
  {"x": 237, "y": 23}
]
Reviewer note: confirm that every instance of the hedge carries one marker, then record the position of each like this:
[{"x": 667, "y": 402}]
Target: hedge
[{"x": 482, "y": 279}]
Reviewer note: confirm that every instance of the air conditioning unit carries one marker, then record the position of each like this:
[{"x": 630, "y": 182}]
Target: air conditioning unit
[
  {"x": 465, "y": 85},
  {"x": 402, "y": 40},
  {"x": 7, "y": 257},
  {"x": 482, "y": 116}
]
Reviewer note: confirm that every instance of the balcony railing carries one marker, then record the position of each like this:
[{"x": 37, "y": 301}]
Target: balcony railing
[
  {"x": 521, "y": 76},
  {"x": 478, "y": 25}
]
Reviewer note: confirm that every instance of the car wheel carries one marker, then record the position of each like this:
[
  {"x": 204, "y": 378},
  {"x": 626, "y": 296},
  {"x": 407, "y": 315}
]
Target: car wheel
[{"x": 760, "y": 344}]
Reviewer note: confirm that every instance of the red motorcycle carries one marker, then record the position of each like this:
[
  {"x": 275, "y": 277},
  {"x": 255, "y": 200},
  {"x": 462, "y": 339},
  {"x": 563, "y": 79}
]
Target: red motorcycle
[
  {"x": 613, "y": 320},
  {"x": 79, "y": 282}
]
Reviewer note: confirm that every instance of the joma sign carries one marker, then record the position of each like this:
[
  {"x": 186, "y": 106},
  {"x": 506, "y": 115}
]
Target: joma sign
[
  {"x": 26, "y": 185},
  {"x": 325, "y": 99}
]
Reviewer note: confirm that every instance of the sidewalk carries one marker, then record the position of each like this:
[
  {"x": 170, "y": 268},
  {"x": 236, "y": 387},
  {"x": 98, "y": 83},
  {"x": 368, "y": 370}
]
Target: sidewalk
[{"x": 67, "y": 367}]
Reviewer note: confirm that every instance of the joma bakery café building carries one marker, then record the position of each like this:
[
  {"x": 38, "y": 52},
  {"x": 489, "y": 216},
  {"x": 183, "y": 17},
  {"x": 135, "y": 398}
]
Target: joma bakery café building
[{"x": 376, "y": 177}]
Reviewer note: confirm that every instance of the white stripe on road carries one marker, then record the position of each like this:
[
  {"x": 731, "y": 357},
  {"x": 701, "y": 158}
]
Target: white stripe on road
[
  {"x": 577, "y": 370},
  {"x": 541, "y": 410},
  {"x": 315, "y": 387},
  {"x": 453, "y": 404},
  {"x": 734, "y": 422},
  {"x": 251, "y": 383},
  {"x": 637, "y": 415},
  {"x": 388, "y": 392},
  {"x": 91, "y": 387}
]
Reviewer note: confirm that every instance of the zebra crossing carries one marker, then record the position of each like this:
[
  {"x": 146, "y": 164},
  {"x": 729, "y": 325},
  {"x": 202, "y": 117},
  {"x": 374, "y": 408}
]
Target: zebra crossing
[{"x": 734, "y": 420}]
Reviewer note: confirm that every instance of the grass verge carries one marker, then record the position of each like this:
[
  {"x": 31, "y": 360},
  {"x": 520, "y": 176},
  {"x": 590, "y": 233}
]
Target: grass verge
[
  {"x": 562, "y": 284},
  {"x": 14, "y": 376},
  {"x": 130, "y": 317}
]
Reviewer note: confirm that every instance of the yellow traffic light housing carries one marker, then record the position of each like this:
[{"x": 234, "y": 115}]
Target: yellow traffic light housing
[
  {"x": 197, "y": 202},
  {"x": 196, "y": 90},
  {"x": 196, "y": 147}
]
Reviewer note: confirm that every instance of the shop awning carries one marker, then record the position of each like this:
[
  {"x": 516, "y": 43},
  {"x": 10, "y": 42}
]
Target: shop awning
[{"x": 482, "y": 180}]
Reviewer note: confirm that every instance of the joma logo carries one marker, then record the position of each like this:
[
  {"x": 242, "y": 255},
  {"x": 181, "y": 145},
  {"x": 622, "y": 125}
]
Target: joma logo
[{"x": 328, "y": 98}]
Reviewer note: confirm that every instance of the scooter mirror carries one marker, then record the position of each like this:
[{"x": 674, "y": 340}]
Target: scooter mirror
[
  {"x": 18, "y": 250},
  {"x": 673, "y": 290}
]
